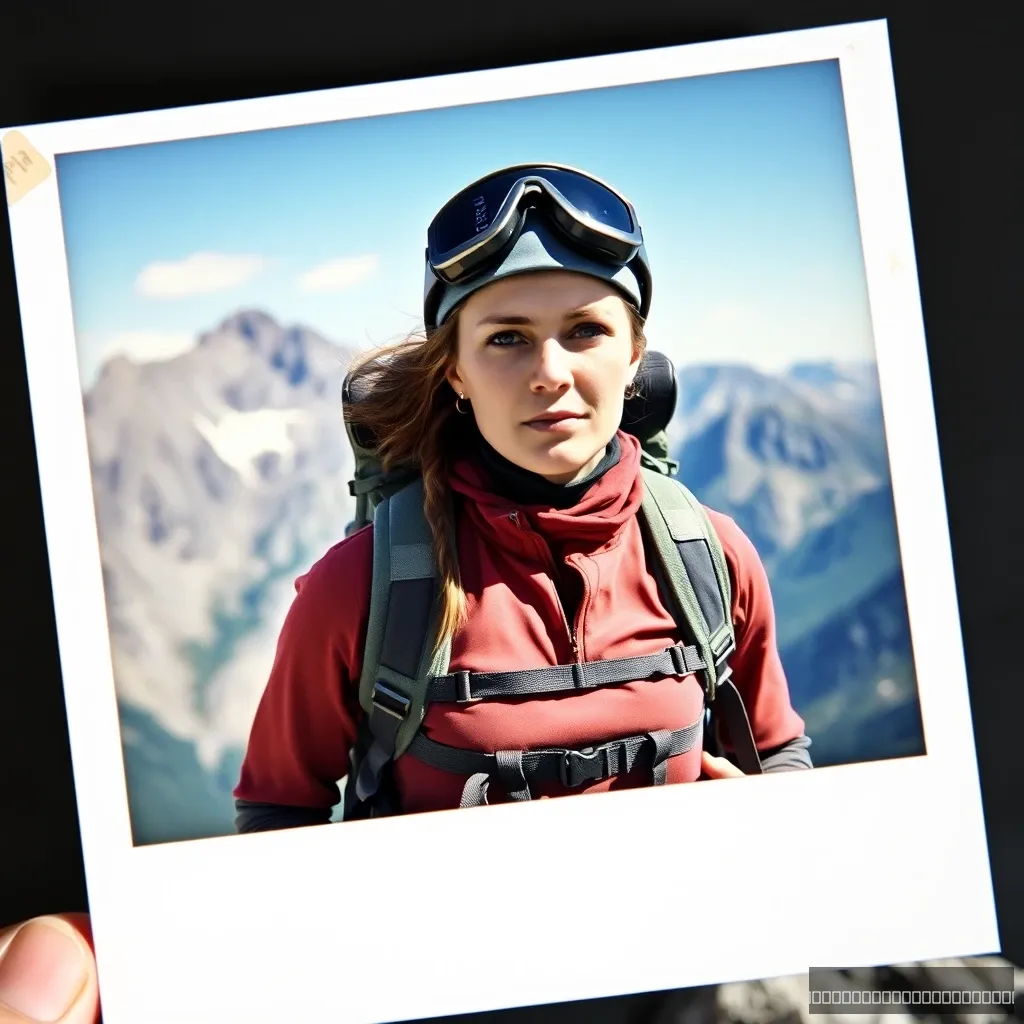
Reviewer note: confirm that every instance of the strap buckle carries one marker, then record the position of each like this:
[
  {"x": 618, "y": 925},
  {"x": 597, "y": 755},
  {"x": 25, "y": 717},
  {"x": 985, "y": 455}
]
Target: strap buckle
[
  {"x": 678, "y": 655},
  {"x": 390, "y": 701},
  {"x": 463, "y": 689},
  {"x": 590, "y": 764},
  {"x": 723, "y": 672},
  {"x": 725, "y": 646}
]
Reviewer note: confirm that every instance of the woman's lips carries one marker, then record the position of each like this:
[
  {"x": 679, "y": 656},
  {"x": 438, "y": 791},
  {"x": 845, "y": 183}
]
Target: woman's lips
[{"x": 560, "y": 422}]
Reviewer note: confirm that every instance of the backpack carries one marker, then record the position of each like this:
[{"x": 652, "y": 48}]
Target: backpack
[{"x": 402, "y": 673}]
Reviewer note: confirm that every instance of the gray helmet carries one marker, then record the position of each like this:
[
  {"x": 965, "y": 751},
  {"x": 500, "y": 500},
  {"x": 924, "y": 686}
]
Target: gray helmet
[
  {"x": 527, "y": 218},
  {"x": 539, "y": 247}
]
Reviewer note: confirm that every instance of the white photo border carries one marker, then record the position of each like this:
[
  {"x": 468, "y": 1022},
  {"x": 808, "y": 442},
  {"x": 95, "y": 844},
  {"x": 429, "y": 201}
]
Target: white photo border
[{"x": 550, "y": 901}]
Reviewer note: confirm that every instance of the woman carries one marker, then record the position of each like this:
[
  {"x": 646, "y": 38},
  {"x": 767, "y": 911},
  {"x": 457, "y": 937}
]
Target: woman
[{"x": 537, "y": 291}]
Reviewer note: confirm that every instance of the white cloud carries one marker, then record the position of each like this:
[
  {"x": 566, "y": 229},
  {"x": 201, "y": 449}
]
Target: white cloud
[
  {"x": 339, "y": 274},
  {"x": 202, "y": 273}
]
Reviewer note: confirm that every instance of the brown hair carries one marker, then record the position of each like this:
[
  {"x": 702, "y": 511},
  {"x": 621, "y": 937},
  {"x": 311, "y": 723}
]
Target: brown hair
[{"x": 409, "y": 406}]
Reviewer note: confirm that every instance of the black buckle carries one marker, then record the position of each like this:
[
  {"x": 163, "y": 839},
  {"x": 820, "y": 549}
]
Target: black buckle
[
  {"x": 678, "y": 655},
  {"x": 390, "y": 701},
  {"x": 588, "y": 765},
  {"x": 723, "y": 674},
  {"x": 464, "y": 694}
]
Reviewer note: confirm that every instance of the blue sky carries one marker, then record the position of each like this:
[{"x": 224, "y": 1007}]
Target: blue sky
[{"x": 742, "y": 182}]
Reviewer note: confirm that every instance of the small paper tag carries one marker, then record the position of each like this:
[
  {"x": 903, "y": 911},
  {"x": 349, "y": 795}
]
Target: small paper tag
[{"x": 24, "y": 168}]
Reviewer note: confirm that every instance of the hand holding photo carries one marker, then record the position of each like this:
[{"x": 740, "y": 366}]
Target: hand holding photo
[
  {"x": 719, "y": 767},
  {"x": 392, "y": 514}
]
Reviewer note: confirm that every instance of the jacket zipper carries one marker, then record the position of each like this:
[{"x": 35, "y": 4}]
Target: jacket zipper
[{"x": 569, "y": 629}]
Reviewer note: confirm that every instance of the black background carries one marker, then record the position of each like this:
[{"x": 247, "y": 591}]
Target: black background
[{"x": 959, "y": 91}]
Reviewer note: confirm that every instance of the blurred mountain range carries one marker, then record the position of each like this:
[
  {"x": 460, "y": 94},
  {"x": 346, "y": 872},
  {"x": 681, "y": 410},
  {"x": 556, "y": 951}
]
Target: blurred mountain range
[
  {"x": 799, "y": 461},
  {"x": 221, "y": 474}
]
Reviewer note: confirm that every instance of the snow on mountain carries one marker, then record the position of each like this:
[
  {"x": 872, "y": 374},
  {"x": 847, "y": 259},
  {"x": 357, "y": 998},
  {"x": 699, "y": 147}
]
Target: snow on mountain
[
  {"x": 218, "y": 475},
  {"x": 850, "y": 391},
  {"x": 846, "y": 383},
  {"x": 784, "y": 455}
]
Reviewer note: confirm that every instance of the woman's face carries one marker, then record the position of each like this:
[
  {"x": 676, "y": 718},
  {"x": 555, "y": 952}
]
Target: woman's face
[{"x": 545, "y": 358}]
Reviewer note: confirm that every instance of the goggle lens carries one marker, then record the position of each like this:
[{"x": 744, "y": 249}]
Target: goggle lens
[{"x": 472, "y": 212}]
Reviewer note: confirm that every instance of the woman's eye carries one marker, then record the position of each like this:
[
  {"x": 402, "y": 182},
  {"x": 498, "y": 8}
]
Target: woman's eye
[
  {"x": 590, "y": 330},
  {"x": 503, "y": 339}
]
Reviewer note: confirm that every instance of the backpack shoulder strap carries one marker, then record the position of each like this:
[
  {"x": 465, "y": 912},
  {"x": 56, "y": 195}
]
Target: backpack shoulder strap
[
  {"x": 696, "y": 576},
  {"x": 691, "y": 556},
  {"x": 398, "y": 656}
]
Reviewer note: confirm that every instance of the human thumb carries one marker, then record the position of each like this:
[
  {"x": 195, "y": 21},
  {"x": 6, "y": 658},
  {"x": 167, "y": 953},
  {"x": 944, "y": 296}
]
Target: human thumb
[
  {"x": 718, "y": 767},
  {"x": 48, "y": 972}
]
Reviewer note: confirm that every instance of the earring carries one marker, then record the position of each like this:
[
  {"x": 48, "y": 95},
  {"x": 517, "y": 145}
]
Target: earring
[
  {"x": 631, "y": 390},
  {"x": 458, "y": 408}
]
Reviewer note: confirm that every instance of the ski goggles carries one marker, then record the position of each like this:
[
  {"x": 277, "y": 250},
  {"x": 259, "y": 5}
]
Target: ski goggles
[{"x": 474, "y": 230}]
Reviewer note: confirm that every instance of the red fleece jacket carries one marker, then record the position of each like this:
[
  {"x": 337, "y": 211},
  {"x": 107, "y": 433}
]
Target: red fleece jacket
[{"x": 512, "y": 560}]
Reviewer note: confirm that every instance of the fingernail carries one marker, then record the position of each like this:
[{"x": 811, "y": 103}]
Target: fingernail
[{"x": 42, "y": 971}]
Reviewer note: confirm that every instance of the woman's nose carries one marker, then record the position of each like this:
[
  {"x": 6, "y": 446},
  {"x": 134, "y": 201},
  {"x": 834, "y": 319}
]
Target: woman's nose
[{"x": 551, "y": 369}]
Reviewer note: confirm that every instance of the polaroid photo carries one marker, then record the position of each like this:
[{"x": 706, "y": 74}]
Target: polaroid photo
[{"x": 195, "y": 285}]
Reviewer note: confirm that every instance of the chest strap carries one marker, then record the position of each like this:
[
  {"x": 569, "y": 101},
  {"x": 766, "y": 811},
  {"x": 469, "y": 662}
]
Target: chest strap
[
  {"x": 463, "y": 687},
  {"x": 519, "y": 769}
]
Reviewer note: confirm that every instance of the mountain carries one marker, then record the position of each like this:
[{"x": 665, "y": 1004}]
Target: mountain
[
  {"x": 834, "y": 564},
  {"x": 218, "y": 476},
  {"x": 781, "y": 454},
  {"x": 799, "y": 461},
  {"x": 852, "y": 679},
  {"x": 221, "y": 474}
]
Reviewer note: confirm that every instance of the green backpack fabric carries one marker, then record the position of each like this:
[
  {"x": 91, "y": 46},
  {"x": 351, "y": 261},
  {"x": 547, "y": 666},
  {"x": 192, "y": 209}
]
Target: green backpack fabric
[{"x": 402, "y": 673}]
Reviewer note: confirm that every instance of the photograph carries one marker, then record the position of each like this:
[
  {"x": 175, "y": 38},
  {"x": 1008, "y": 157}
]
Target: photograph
[
  {"x": 216, "y": 316},
  {"x": 489, "y": 440}
]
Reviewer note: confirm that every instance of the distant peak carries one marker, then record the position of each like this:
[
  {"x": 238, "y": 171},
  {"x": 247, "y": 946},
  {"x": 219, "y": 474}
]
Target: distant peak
[
  {"x": 827, "y": 370},
  {"x": 259, "y": 329},
  {"x": 250, "y": 323},
  {"x": 118, "y": 367},
  {"x": 117, "y": 374}
]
